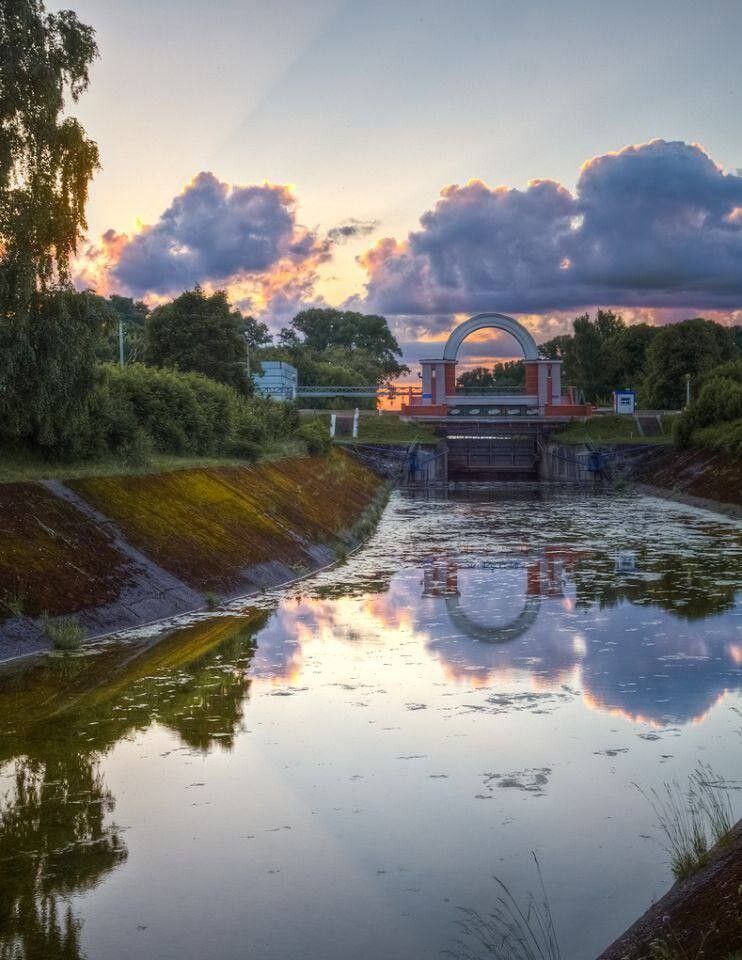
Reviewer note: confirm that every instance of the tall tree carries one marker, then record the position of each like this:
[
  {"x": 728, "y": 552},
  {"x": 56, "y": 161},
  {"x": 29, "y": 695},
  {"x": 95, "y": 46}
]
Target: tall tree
[
  {"x": 691, "y": 347},
  {"x": 202, "y": 334},
  {"x": 354, "y": 334},
  {"x": 46, "y": 164}
]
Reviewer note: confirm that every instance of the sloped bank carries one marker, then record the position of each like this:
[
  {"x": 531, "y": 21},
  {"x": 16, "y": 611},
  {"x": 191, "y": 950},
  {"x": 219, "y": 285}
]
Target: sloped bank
[
  {"x": 119, "y": 551},
  {"x": 700, "y": 916},
  {"x": 698, "y": 477}
]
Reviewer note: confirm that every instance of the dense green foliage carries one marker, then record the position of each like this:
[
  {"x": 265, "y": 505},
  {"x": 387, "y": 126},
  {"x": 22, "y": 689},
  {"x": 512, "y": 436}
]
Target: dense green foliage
[
  {"x": 48, "y": 371},
  {"x": 714, "y": 417},
  {"x": 47, "y": 333},
  {"x": 339, "y": 348},
  {"x": 138, "y": 410},
  {"x": 201, "y": 334},
  {"x": 132, "y": 314},
  {"x": 692, "y": 347},
  {"x": 606, "y": 354}
]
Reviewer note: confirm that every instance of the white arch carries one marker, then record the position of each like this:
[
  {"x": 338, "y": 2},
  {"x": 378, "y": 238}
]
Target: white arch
[{"x": 500, "y": 322}]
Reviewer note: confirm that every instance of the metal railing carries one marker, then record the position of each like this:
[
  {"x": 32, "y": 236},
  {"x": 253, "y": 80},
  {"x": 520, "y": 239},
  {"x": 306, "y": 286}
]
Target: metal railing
[{"x": 490, "y": 391}]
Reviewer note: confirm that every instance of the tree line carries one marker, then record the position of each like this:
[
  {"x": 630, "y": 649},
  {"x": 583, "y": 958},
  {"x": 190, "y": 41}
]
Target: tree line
[{"x": 184, "y": 386}]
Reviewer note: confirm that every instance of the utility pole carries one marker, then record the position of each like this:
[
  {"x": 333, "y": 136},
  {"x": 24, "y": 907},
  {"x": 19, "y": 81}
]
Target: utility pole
[
  {"x": 121, "y": 341},
  {"x": 687, "y": 389}
]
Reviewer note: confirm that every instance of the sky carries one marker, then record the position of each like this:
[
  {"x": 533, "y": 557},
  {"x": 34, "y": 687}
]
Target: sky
[{"x": 426, "y": 160}]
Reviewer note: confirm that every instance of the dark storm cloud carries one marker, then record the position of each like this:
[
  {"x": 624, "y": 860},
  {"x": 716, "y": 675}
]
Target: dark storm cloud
[
  {"x": 213, "y": 232},
  {"x": 655, "y": 225}
]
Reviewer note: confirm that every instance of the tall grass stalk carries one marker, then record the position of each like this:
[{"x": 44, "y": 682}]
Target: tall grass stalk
[
  {"x": 510, "y": 931},
  {"x": 693, "y": 819}
]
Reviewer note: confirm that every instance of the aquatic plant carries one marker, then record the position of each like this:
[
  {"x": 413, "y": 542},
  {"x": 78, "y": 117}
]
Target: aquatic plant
[
  {"x": 65, "y": 633},
  {"x": 693, "y": 819},
  {"x": 509, "y": 931}
]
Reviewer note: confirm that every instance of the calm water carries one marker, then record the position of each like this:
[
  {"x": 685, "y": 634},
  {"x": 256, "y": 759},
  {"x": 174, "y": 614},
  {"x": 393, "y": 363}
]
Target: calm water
[{"x": 334, "y": 771}]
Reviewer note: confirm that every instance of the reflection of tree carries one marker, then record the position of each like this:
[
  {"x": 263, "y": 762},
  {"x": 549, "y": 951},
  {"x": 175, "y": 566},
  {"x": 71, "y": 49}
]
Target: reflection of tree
[
  {"x": 692, "y": 587},
  {"x": 56, "y": 835},
  {"x": 54, "y": 840}
]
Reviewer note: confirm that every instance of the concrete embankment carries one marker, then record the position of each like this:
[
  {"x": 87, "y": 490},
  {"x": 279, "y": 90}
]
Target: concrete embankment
[
  {"x": 700, "y": 478},
  {"x": 124, "y": 550}
]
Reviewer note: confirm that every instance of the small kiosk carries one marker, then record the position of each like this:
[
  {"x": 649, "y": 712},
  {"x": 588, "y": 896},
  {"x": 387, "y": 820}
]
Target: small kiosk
[{"x": 624, "y": 401}]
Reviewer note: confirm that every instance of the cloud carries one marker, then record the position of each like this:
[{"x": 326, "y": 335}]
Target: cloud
[
  {"x": 351, "y": 229},
  {"x": 655, "y": 225},
  {"x": 244, "y": 238}
]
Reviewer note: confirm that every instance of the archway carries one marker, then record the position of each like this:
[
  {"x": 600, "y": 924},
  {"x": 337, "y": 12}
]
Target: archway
[{"x": 497, "y": 321}]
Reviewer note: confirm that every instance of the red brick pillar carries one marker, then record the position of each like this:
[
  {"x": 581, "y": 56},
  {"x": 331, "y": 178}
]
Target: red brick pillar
[
  {"x": 532, "y": 377},
  {"x": 450, "y": 377}
]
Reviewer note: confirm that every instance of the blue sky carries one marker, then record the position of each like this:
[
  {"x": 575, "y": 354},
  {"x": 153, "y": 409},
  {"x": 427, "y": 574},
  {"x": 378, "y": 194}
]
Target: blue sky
[{"x": 369, "y": 109}]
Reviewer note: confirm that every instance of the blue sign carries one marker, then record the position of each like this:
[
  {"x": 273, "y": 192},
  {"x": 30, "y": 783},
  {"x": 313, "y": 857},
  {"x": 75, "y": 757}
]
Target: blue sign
[{"x": 427, "y": 396}]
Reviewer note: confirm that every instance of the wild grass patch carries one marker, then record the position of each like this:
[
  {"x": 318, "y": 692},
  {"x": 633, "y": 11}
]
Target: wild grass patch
[
  {"x": 511, "y": 930},
  {"x": 65, "y": 633},
  {"x": 693, "y": 818}
]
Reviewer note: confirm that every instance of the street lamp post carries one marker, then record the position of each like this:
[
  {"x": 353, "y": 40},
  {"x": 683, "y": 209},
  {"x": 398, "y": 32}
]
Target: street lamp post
[
  {"x": 687, "y": 389},
  {"x": 121, "y": 341}
]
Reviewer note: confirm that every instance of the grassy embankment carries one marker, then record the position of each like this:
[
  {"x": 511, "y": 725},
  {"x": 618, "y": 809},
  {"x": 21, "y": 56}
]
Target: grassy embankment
[
  {"x": 387, "y": 428},
  {"x": 24, "y": 467},
  {"x": 207, "y": 526},
  {"x": 610, "y": 429}
]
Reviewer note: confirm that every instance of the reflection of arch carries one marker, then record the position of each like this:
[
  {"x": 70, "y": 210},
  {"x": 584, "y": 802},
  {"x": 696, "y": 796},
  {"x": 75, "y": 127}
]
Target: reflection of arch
[
  {"x": 500, "y": 322},
  {"x": 493, "y": 634}
]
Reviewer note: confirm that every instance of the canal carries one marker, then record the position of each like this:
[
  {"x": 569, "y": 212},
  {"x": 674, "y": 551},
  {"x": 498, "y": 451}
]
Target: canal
[{"x": 340, "y": 769}]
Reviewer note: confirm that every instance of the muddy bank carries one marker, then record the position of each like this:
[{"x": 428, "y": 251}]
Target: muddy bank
[
  {"x": 124, "y": 550},
  {"x": 699, "y": 917}
]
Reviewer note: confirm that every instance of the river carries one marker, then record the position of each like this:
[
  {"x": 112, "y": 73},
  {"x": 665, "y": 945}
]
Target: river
[{"x": 339, "y": 769}]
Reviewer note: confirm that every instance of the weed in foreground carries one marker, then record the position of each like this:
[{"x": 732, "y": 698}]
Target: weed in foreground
[
  {"x": 693, "y": 819},
  {"x": 510, "y": 931},
  {"x": 65, "y": 633}
]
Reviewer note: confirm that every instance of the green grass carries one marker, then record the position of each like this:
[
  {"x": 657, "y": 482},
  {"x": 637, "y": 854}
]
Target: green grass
[
  {"x": 17, "y": 467},
  {"x": 390, "y": 428},
  {"x": 66, "y": 633},
  {"x": 693, "y": 819},
  {"x": 608, "y": 429}
]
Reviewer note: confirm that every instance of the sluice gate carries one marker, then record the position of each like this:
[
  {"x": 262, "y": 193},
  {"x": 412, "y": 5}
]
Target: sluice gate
[{"x": 482, "y": 451}]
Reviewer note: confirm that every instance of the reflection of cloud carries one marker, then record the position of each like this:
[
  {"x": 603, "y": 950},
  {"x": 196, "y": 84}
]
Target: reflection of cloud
[{"x": 653, "y": 225}]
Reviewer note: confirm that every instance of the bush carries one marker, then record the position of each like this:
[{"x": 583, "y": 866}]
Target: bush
[
  {"x": 316, "y": 435},
  {"x": 139, "y": 410},
  {"x": 65, "y": 633},
  {"x": 713, "y": 417}
]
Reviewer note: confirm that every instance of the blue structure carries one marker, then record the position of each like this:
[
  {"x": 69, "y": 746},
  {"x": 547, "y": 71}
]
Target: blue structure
[{"x": 279, "y": 380}]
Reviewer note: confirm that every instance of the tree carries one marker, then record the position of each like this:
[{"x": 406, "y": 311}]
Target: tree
[
  {"x": 691, "y": 347},
  {"x": 46, "y": 164},
  {"x": 133, "y": 315},
  {"x": 347, "y": 333},
  {"x": 478, "y": 378},
  {"x": 510, "y": 373},
  {"x": 627, "y": 355},
  {"x": 202, "y": 334}
]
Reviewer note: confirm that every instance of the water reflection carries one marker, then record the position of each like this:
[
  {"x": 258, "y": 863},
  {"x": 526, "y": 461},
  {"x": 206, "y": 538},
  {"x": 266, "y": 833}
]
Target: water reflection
[
  {"x": 387, "y": 699},
  {"x": 59, "y": 718}
]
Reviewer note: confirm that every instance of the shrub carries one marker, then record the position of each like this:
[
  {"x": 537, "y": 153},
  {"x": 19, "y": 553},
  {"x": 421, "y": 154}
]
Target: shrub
[
  {"x": 714, "y": 417},
  {"x": 65, "y": 633},
  {"x": 139, "y": 410},
  {"x": 316, "y": 435}
]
